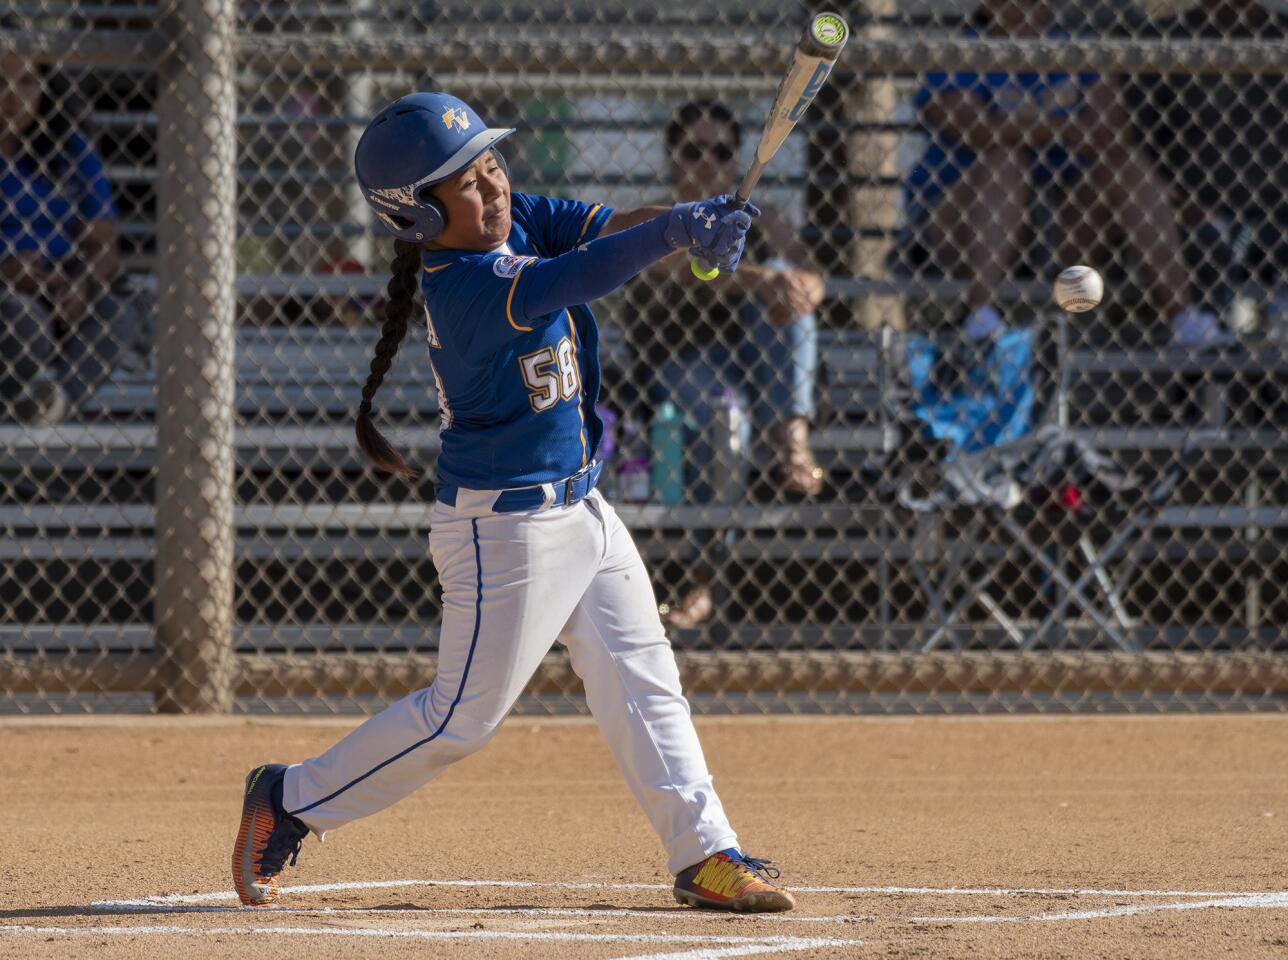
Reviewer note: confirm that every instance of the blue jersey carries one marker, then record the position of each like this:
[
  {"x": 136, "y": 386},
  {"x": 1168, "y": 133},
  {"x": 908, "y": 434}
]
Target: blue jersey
[
  {"x": 516, "y": 392},
  {"x": 41, "y": 215}
]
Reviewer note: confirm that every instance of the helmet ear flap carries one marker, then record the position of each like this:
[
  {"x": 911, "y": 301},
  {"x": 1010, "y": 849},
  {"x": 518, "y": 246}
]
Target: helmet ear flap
[
  {"x": 434, "y": 217},
  {"x": 434, "y": 220}
]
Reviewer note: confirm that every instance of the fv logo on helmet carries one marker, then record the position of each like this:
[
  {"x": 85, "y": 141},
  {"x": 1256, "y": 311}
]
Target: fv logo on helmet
[{"x": 454, "y": 117}]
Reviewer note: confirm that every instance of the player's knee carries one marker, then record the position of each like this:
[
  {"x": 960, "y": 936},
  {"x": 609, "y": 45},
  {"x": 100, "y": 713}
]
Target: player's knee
[
  {"x": 458, "y": 730},
  {"x": 648, "y": 661},
  {"x": 464, "y": 734}
]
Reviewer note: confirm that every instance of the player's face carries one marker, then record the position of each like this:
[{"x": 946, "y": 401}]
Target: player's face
[
  {"x": 705, "y": 161},
  {"x": 477, "y": 202}
]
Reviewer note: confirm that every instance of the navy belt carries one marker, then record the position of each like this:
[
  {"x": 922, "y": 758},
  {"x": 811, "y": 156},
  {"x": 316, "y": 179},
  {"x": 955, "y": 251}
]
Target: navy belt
[{"x": 567, "y": 491}]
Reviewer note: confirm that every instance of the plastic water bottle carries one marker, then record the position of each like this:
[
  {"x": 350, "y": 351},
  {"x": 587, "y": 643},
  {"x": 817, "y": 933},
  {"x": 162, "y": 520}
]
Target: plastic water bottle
[
  {"x": 666, "y": 438},
  {"x": 632, "y": 462},
  {"x": 727, "y": 472}
]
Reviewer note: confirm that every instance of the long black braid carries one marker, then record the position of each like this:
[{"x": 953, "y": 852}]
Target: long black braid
[{"x": 398, "y": 306}]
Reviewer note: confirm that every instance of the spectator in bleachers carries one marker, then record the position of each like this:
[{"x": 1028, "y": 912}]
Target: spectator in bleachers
[
  {"x": 1222, "y": 141},
  {"x": 62, "y": 328},
  {"x": 753, "y": 332},
  {"x": 994, "y": 138}
]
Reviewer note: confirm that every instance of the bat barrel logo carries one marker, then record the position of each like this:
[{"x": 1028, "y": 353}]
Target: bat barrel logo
[
  {"x": 811, "y": 90},
  {"x": 816, "y": 50}
]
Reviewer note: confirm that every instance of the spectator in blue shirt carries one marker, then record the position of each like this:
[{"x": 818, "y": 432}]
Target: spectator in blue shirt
[
  {"x": 61, "y": 329},
  {"x": 994, "y": 137}
]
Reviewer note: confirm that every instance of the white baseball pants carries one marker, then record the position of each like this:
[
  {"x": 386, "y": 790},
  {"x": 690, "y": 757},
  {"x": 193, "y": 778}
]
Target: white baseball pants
[{"x": 512, "y": 584}]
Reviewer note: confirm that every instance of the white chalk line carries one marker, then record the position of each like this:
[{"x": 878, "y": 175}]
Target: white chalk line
[
  {"x": 569, "y": 885},
  {"x": 739, "y": 946},
  {"x": 1261, "y": 901},
  {"x": 720, "y": 952},
  {"x": 712, "y": 946},
  {"x": 1040, "y": 891},
  {"x": 659, "y": 913}
]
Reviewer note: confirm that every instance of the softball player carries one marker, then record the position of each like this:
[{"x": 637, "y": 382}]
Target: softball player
[{"x": 527, "y": 550}]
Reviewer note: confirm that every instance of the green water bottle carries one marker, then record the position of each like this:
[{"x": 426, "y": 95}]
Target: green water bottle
[{"x": 666, "y": 437}]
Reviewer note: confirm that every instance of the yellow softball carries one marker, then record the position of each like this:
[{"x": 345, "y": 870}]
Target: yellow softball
[{"x": 701, "y": 272}]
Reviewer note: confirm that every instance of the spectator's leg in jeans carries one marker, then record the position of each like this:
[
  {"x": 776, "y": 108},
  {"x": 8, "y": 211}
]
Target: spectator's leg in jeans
[
  {"x": 780, "y": 369},
  {"x": 688, "y": 381},
  {"x": 92, "y": 345},
  {"x": 24, "y": 352}
]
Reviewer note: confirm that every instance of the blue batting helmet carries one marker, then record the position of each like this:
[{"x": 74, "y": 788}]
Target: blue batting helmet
[{"x": 414, "y": 143}]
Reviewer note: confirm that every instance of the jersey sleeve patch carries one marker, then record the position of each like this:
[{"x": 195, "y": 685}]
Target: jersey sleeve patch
[{"x": 510, "y": 266}]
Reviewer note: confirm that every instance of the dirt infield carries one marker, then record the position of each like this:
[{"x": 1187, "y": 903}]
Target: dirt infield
[{"x": 928, "y": 838}]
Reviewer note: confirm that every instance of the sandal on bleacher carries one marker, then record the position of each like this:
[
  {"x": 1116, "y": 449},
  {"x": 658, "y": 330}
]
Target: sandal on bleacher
[
  {"x": 694, "y": 609},
  {"x": 798, "y": 471}
]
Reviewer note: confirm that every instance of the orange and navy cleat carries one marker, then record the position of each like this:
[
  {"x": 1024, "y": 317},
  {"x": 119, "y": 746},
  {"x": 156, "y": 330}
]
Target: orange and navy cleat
[
  {"x": 266, "y": 837},
  {"x": 730, "y": 880}
]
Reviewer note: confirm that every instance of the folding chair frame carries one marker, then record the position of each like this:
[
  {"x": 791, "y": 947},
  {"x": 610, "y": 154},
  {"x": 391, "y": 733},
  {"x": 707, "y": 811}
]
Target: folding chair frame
[{"x": 1114, "y": 622}]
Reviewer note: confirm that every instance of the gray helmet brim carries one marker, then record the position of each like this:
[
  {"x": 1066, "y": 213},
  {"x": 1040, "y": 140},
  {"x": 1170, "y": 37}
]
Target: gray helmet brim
[{"x": 469, "y": 151}]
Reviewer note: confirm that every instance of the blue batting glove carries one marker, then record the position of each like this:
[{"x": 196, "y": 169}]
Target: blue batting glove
[
  {"x": 712, "y": 225},
  {"x": 728, "y": 204},
  {"x": 726, "y": 260}
]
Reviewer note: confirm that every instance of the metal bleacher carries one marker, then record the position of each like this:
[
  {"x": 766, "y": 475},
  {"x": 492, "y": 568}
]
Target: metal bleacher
[
  {"x": 315, "y": 375},
  {"x": 313, "y": 517}
]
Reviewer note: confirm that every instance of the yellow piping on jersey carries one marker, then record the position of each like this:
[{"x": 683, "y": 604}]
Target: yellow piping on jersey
[
  {"x": 445, "y": 416},
  {"x": 589, "y": 217},
  {"x": 580, "y": 414},
  {"x": 508, "y": 300},
  {"x": 441, "y": 266}
]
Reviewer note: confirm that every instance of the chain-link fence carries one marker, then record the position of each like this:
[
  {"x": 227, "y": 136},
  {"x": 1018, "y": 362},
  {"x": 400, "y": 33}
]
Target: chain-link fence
[{"x": 875, "y": 469}]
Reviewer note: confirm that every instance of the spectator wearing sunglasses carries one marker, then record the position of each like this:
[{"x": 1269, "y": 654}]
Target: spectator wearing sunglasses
[{"x": 752, "y": 332}]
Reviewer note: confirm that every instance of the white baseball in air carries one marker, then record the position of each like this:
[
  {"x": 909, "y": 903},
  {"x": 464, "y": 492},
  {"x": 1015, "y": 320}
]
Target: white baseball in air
[{"x": 1078, "y": 288}]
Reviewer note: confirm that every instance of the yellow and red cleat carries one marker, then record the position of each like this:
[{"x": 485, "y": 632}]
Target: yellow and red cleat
[{"x": 731, "y": 880}]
